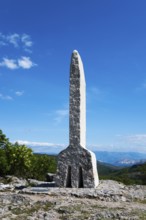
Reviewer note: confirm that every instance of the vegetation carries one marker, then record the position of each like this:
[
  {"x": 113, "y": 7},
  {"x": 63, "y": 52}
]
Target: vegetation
[
  {"x": 129, "y": 175},
  {"x": 20, "y": 161}
]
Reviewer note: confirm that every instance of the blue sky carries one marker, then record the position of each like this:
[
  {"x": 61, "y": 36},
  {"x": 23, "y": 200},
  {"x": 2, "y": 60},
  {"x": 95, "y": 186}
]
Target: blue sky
[{"x": 37, "y": 38}]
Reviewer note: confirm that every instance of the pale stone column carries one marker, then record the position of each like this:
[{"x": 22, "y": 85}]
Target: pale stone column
[
  {"x": 77, "y": 114},
  {"x": 77, "y": 166}
]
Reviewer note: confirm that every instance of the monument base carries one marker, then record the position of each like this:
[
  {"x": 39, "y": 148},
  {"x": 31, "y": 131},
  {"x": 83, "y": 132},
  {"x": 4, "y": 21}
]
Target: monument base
[{"x": 77, "y": 168}]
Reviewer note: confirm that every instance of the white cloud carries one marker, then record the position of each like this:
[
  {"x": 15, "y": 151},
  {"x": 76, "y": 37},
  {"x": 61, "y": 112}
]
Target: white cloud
[
  {"x": 135, "y": 139},
  {"x": 2, "y": 40},
  {"x": 95, "y": 91},
  {"x": 26, "y": 40},
  {"x": 2, "y": 44},
  {"x": 42, "y": 147},
  {"x": 13, "y": 39},
  {"x": 5, "y": 97},
  {"x": 122, "y": 143},
  {"x": 134, "y": 143},
  {"x": 9, "y": 63},
  {"x": 17, "y": 40},
  {"x": 61, "y": 114},
  {"x": 33, "y": 143},
  {"x": 23, "y": 62},
  {"x": 19, "y": 93}
]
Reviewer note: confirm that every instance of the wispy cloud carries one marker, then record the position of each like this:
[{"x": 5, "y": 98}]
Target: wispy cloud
[
  {"x": 5, "y": 97},
  {"x": 33, "y": 143},
  {"x": 13, "y": 39},
  {"x": 104, "y": 147},
  {"x": 27, "y": 43},
  {"x": 23, "y": 62},
  {"x": 60, "y": 115},
  {"x": 42, "y": 147},
  {"x": 123, "y": 143},
  {"x": 19, "y": 93},
  {"x": 9, "y": 63},
  {"x": 133, "y": 142},
  {"x": 95, "y": 93},
  {"x": 2, "y": 43},
  {"x": 141, "y": 88},
  {"x": 17, "y": 40},
  {"x": 134, "y": 139}
]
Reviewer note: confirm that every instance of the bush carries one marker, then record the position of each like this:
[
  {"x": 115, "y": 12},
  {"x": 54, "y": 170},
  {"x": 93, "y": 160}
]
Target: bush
[{"x": 20, "y": 161}]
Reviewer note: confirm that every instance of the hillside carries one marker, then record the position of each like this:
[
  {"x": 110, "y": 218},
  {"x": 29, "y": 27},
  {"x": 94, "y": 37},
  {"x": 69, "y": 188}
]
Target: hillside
[
  {"x": 130, "y": 175},
  {"x": 135, "y": 174}
]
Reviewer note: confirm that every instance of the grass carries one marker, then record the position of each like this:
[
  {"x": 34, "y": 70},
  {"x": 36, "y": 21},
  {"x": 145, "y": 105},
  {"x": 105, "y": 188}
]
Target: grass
[{"x": 43, "y": 206}]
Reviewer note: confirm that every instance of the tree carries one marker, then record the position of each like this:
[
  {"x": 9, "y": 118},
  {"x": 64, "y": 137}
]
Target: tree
[
  {"x": 3, "y": 140},
  {"x": 20, "y": 159},
  {"x": 4, "y": 165},
  {"x": 42, "y": 164}
]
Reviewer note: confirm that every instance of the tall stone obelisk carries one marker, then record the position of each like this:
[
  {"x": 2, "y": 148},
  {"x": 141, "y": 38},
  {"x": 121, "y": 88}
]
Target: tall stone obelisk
[
  {"x": 76, "y": 165},
  {"x": 77, "y": 116}
]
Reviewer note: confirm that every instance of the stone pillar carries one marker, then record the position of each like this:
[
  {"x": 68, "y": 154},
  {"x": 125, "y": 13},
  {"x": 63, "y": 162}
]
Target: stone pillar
[
  {"x": 77, "y": 166},
  {"x": 77, "y": 116}
]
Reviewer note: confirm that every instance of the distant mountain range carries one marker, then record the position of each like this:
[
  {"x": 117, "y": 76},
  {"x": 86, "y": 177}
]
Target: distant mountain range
[
  {"x": 121, "y": 158},
  {"x": 135, "y": 174},
  {"x": 115, "y": 158}
]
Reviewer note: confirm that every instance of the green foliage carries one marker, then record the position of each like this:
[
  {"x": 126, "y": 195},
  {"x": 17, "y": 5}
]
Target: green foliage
[
  {"x": 129, "y": 175},
  {"x": 41, "y": 165},
  {"x": 3, "y": 140},
  {"x": 20, "y": 161},
  {"x": 4, "y": 165}
]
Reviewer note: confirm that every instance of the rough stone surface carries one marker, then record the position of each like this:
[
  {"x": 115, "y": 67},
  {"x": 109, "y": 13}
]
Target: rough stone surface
[
  {"x": 37, "y": 183},
  {"x": 80, "y": 162},
  {"x": 77, "y": 116},
  {"x": 76, "y": 165},
  {"x": 110, "y": 200}
]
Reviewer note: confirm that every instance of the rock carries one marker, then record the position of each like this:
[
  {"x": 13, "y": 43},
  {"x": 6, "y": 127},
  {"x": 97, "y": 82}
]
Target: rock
[
  {"x": 18, "y": 183},
  {"x": 36, "y": 183},
  {"x": 50, "y": 177},
  {"x": 110, "y": 200},
  {"x": 4, "y": 187}
]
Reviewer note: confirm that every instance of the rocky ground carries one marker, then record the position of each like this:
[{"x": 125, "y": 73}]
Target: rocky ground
[{"x": 111, "y": 200}]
